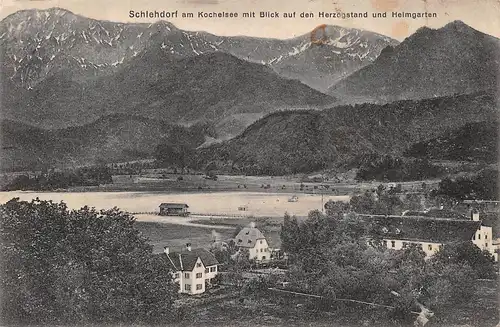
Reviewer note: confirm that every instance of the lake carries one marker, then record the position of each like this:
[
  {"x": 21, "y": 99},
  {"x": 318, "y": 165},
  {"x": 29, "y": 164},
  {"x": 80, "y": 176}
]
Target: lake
[{"x": 258, "y": 204}]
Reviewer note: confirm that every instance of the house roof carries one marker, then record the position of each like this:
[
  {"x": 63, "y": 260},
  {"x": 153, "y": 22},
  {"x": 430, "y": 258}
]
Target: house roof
[
  {"x": 174, "y": 205},
  {"x": 421, "y": 228},
  {"x": 186, "y": 260},
  {"x": 436, "y": 213},
  {"x": 248, "y": 236}
]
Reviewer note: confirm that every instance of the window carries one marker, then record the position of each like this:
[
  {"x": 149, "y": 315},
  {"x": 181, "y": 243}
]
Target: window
[
  {"x": 385, "y": 243},
  {"x": 474, "y": 237},
  {"x": 186, "y": 275},
  {"x": 261, "y": 250},
  {"x": 249, "y": 241},
  {"x": 260, "y": 241},
  {"x": 478, "y": 236},
  {"x": 429, "y": 247},
  {"x": 212, "y": 269},
  {"x": 393, "y": 244},
  {"x": 239, "y": 241},
  {"x": 206, "y": 270},
  {"x": 264, "y": 258},
  {"x": 199, "y": 275},
  {"x": 187, "y": 287},
  {"x": 486, "y": 244},
  {"x": 485, "y": 236},
  {"x": 198, "y": 265},
  {"x": 199, "y": 287}
]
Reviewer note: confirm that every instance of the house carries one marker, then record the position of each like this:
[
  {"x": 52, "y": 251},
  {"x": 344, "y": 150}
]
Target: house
[
  {"x": 174, "y": 209},
  {"x": 398, "y": 232},
  {"x": 255, "y": 242},
  {"x": 194, "y": 268},
  {"x": 483, "y": 237}
]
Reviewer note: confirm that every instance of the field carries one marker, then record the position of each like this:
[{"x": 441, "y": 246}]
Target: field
[{"x": 176, "y": 236}]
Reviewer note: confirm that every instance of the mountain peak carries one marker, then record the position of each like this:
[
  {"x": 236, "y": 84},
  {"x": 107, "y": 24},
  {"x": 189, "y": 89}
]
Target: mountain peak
[
  {"x": 459, "y": 26},
  {"x": 56, "y": 11}
]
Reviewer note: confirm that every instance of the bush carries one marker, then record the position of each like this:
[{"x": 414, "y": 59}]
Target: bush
[{"x": 79, "y": 266}]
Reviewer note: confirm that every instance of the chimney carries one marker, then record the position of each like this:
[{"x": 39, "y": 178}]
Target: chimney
[
  {"x": 166, "y": 250},
  {"x": 188, "y": 246},
  {"x": 252, "y": 224},
  {"x": 475, "y": 215}
]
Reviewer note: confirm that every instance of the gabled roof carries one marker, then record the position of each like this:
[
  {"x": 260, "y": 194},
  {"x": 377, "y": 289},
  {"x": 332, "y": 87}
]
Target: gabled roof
[
  {"x": 186, "y": 260},
  {"x": 248, "y": 236},
  {"x": 174, "y": 205},
  {"x": 419, "y": 228}
]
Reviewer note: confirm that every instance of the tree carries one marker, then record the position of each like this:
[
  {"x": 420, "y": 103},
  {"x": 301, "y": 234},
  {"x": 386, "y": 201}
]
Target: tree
[
  {"x": 290, "y": 234},
  {"x": 337, "y": 209},
  {"x": 79, "y": 266},
  {"x": 333, "y": 258},
  {"x": 481, "y": 261}
]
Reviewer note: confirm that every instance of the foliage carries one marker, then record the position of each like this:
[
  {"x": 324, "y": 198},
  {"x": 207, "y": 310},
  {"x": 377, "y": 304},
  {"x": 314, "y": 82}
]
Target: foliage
[
  {"x": 474, "y": 142},
  {"x": 79, "y": 266},
  {"x": 383, "y": 203},
  {"x": 171, "y": 154},
  {"x": 331, "y": 256},
  {"x": 481, "y": 261},
  {"x": 396, "y": 169},
  {"x": 480, "y": 186},
  {"x": 86, "y": 176}
]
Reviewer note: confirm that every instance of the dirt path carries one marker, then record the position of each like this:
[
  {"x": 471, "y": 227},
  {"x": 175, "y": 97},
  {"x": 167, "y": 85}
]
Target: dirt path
[{"x": 185, "y": 221}]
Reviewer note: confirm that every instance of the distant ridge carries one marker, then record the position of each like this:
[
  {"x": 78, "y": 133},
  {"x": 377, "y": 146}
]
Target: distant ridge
[{"x": 454, "y": 59}]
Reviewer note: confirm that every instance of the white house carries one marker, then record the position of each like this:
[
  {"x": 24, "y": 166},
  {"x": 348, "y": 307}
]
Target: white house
[
  {"x": 193, "y": 268},
  {"x": 483, "y": 237},
  {"x": 397, "y": 232},
  {"x": 252, "y": 239}
]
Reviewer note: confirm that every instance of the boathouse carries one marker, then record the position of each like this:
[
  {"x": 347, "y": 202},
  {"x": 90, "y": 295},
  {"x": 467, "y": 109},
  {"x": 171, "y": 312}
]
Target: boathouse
[{"x": 174, "y": 209}]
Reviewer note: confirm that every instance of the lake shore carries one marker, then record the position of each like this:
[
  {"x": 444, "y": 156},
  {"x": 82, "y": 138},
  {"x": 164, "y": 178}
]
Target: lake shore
[{"x": 229, "y": 204}]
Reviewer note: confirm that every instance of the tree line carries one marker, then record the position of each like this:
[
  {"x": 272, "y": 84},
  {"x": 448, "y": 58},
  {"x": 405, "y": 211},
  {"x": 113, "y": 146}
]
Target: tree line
[
  {"x": 483, "y": 186},
  {"x": 52, "y": 180}
]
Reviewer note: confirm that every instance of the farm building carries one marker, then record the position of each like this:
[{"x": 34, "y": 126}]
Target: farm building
[
  {"x": 174, "y": 209},
  {"x": 194, "y": 269},
  {"x": 397, "y": 232}
]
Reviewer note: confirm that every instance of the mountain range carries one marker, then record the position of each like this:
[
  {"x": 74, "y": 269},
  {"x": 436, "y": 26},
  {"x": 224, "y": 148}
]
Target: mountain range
[
  {"x": 156, "y": 85},
  {"x": 113, "y": 138},
  {"x": 81, "y": 90},
  {"x": 39, "y": 43},
  {"x": 454, "y": 59},
  {"x": 305, "y": 141}
]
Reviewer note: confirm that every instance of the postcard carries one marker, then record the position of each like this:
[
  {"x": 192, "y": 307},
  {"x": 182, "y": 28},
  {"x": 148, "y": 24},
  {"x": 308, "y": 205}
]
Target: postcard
[{"x": 249, "y": 163}]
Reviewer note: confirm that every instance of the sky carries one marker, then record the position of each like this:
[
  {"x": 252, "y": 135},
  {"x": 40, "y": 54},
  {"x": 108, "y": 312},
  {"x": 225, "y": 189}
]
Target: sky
[{"x": 483, "y": 15}]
